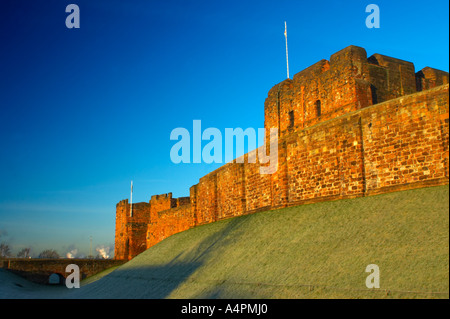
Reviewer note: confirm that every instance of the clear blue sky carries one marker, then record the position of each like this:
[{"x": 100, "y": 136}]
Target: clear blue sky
[{"x": 84, "y": 111}]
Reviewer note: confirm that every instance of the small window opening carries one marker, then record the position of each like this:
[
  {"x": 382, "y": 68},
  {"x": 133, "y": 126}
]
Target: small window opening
[
  {"x": 318, "y": 108},
  {"x": 291, "y": 119}
]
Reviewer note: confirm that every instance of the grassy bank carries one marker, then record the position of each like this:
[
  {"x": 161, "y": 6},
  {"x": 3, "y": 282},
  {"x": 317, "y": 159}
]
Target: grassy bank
[{"x": 311, "y": 251}]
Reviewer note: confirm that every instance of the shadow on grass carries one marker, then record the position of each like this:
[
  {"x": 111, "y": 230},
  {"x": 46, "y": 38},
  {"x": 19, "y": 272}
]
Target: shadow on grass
[{"x": 136, "y": 280}]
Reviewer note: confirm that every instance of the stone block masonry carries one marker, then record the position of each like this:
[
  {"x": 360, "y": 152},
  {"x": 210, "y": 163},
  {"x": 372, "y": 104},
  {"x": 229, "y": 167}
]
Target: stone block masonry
[{"x": 349, "y": 127}]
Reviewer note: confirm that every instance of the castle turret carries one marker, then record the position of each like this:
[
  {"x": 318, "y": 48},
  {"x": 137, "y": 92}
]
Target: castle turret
[{"x": 131, "y": 230}]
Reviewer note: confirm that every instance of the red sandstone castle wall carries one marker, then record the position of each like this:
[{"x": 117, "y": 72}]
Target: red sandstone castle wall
[
  {"x": 121, "y": 232},
  {"x": 206, "y": 208},
  {"x": 169, "y": 222},
  {"x": 406, "y": 141},
  {"x": 150, "y": 223},
  {"x": 230, "y": 191},
  {"x": 399, "y": 144},
  {"x": 325, "y": 161},
  {"x": 340, "y": 85},
  {"x": 428, "y": 78},
  {"x": 159, "y": 203},
  {"x": 352, "y": 149},
  {"x": 348, "y": 82},
  {"x": 131, "y": 230},
  {"x": 258, "y": 187}
]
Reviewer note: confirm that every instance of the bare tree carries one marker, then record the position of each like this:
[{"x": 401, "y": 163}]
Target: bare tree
[
  {"x": 5, "y": 251},
  {"x": 24, "y": 253},
  {"x": 49, "y": 253}
]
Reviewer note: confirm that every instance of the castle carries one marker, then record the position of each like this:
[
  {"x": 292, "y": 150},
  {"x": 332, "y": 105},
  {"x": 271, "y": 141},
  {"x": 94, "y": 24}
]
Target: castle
[{"x": 348, "y": 127}]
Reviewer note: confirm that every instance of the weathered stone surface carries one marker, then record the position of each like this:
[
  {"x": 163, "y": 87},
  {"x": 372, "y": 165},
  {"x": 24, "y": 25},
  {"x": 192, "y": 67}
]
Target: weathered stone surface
[{"x": 352, "y": 126}]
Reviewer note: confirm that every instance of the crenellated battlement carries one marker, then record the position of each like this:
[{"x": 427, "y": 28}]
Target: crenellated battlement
[
  {"x": 349, "y": 126},
  {"x": 132, "y": 227},
  {"x": 347, "y": 82}
]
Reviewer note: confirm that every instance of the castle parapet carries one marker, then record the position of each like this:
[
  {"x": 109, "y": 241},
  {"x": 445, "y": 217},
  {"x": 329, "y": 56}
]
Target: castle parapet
[
  {"x": 349, "y": 81},
  {"x": 428, "y": 78}
]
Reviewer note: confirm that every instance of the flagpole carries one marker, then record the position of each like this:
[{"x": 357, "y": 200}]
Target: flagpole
[
  {"x": 287, "y": 60},
  {"x": 131, "y": 200}
]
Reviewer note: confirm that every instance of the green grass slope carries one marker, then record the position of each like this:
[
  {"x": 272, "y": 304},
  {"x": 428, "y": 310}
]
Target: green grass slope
[{"x": 311, "y": 251}]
